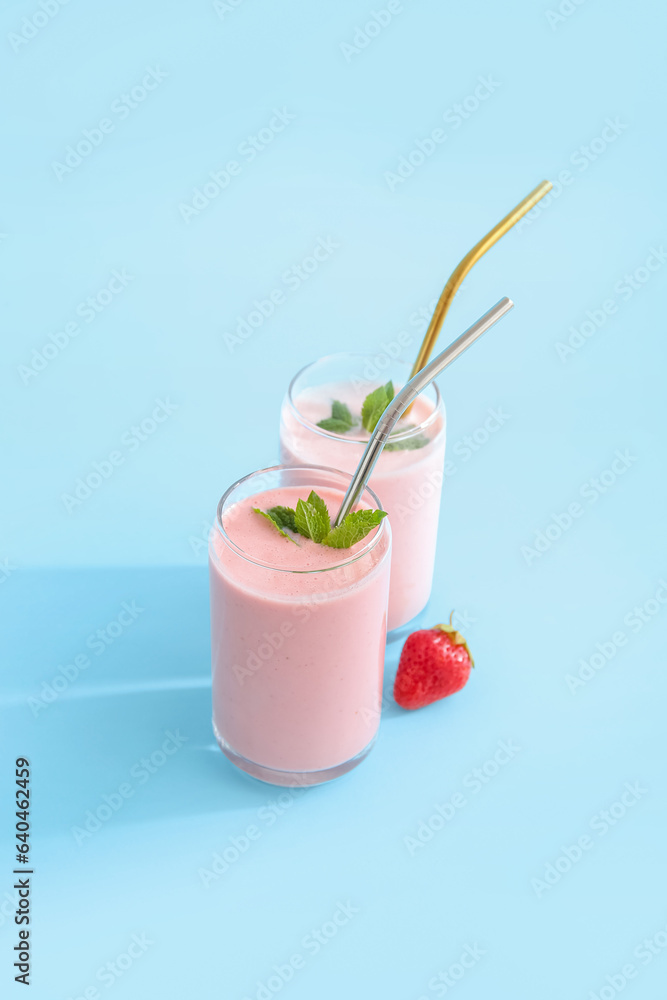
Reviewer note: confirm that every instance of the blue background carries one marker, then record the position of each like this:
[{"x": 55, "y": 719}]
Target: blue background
[{"x": 532, "y": 618}]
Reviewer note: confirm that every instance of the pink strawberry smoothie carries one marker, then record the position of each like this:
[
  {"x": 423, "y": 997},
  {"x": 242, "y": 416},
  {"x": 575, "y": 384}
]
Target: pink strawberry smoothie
[
  {"x": 407, "y": 481},
  {"x": 298, "y": 637}
]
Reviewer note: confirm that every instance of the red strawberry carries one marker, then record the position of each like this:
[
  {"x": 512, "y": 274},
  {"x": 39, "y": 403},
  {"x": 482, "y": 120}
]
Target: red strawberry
[{"x": 435, "y": 662}]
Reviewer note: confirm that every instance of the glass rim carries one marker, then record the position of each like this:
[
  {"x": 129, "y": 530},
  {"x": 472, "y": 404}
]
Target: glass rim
[
  {"x": 379, "y": 533},
  {"x": 345, "y": 439}
]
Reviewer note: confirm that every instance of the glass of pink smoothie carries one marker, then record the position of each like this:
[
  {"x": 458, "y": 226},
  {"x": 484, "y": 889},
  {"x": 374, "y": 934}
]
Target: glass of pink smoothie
[
  {"x": 298, "y": 633},
  {"x": 408, "y": 475}
]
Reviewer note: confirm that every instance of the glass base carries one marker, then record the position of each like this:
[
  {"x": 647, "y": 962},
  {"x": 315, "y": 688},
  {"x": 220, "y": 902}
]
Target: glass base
[{"x": 291, "y": 779}]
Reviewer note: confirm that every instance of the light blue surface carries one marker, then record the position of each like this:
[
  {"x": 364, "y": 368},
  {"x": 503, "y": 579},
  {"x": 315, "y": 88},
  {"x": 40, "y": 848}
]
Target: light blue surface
[{"x": 532, "y": 617}]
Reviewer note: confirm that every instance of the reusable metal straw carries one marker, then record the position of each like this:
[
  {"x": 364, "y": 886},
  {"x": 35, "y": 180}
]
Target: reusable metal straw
[
  {"x": 406, "y": 396},
  {"x": 471, "y": 258}
]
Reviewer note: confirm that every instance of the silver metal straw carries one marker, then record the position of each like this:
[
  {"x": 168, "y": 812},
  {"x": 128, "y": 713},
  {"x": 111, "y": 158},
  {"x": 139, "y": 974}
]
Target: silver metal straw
[{"x": 403, "y": 399}]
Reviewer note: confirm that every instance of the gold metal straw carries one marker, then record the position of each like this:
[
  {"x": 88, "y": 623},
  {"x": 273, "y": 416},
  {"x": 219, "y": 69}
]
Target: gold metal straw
[
  {"x": 404, "y": 399},
  {"x": 459, "y": 273}
]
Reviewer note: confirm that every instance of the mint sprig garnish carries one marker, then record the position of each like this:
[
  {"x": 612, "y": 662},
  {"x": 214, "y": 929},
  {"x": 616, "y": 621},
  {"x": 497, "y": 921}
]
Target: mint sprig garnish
[
  {"x": 375, "y": 404},
  {"x": 318, "y": 503},
  {"x": 311, "y": 519},
  {"x": 274, "y": 522},
  {"x": 409, "y": 444},
  {"x": 283, "y": 516},
  {"x": 340, "y": 421},
  {"x": 356, "y": 526}
]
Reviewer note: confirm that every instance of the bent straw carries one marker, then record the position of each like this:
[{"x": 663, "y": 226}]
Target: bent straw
[
  {"x": 461, "y": 270},
  {"x": 406, "y": 397}
]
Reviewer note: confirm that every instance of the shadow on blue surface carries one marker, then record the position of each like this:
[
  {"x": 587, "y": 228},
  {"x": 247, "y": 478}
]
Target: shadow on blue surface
[{"x": 129, "y": 733}]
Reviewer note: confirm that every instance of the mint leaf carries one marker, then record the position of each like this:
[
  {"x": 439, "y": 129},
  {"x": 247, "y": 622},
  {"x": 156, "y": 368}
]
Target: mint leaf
[
  {"x": 275, "y": 524},
  {"x": 355, "y": 527},
  {"x": 283, "y": 517},
  {"x": 373, "y": 407},
  {"x": 318, "y": 503},
  {"x": 340, "y": 421},
  {"x": 375, "y": 404},
  {"x": 336, "y": 426},
  {"x": 410, "y": 444},
  {"x": 339, "y": 411},
  {"x": 310, "y": 520}
]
